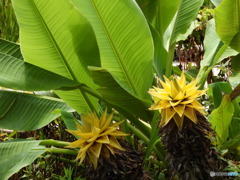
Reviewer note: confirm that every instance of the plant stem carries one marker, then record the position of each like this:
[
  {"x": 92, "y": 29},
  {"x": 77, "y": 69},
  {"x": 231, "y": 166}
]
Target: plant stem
[
  {"x": 158, "y": 149},
  {"x": 51, "y": 142},
  {"x": 91, "y": 92},
  {"x": 235, "y": 93},
  {"x": 63, "y": 159},
  {"x": 170, "y": 60},
  {"x": 61, "y": 151}
]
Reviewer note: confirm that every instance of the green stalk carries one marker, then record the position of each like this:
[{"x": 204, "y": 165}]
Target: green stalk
[
  {"x": 235, "y": 93},
  {"x": 63, "y": 159},
  {"x": 138, "y": 133},
  {"x": 61, "y": 151},
  {"x": 158, "y": 149},
  {"x": 126, "y": 129},
  {"x": 143, "y": 127},
  {"x": 51, "y": 142},
  {"x": 169, "y": 62}
]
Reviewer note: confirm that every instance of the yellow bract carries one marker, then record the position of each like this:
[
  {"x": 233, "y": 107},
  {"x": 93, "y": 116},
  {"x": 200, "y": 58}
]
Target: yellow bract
[
  {"x": 96, "y": 136},
  {"x": 176, "y": 100}
]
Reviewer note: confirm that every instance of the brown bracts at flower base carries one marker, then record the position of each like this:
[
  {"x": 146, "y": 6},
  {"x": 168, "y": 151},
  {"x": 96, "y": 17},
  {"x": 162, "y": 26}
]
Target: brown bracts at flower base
[{"x": 184, "y": 130}]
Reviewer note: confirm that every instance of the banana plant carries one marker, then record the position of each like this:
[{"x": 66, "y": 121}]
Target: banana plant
[{"x": 89, "y": 52}]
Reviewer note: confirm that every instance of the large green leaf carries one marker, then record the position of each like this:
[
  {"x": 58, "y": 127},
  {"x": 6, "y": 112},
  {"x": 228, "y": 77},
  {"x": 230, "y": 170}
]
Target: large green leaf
[
  {"x": 56, "y": 37},
  {"x": 160, "y": 53},
  {"x": 20, "y": 111},
  {"x": 186, "y": 13},
  {"x": 149, "y": 8},
  {"x": 17, "y": 154},
  {"x": 10, "y": 48},
  {"x": 212, "y": 45},
  {"x": 228, "y": 22},
  {"x": 216, "y": 91},
  {"x": 166, "y": 9},
  {"x": 234, "y": 79},
  {"x": 69, "y": 120},
  {"x": 113, "y": 93},
  {"x": 19, "y": 75},
  {"x": 221, "y": 119},
  {"x": 215, "y": 51},
  {"x": 124, "y": 40}
]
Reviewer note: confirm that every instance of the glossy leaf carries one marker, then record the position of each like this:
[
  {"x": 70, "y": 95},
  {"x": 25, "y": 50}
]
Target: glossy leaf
[
  {"x": 16, "y": 154},
  {"x": 215, "y": 51},
  {"x": 216, "y": 91},
  {"x": 228, "y": 23},
  {"x": 166, "y": 9},
  {"x": 10, "y": 48},
  {"x": 19, "y": 75},
  {"x": 149, "y": 8},
  {"x": 221, "y": 119},
  {"x": 62, "y": 42},
  {"x": 186, "y": 13},
  {"x": 69, "y": 120},
  {"x": 124, "y": 40},
  {"x": 20, "y": 111},
  {"x": 160, "y": 53},
  {"x": 212, "y": 45},
  {"x": 116, "y": 95},
  {"x": 234, "y": 79}
]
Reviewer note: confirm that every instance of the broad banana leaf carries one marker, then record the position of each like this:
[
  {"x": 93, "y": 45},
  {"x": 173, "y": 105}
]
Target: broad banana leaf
[
  {"x": 215, "y": 51},
  {"x": 160, "y": 53},
  {"x": 185, "y": 14},
  {"x": 216, "y": 91},
  {"x": 56, "y": 37},
  {"x": 221, "y": 118},
  {"x": 179, "y": 20},
  {"x": 124, "y": 40},
  {"x": 166, "y": 9},
  {"x": 234, "y": 79},
  {"x": 10, "y": 48},
  {"x": 16, "y": 154},
  {"x": 212, "y": 45},
  {"x": 113, "y": 93},
  {"x": 21, "y": 111},
  {"x": 19, "y": 75},
  {"x": 228, "y": 23},
  {"x": 149, "y": 8}
]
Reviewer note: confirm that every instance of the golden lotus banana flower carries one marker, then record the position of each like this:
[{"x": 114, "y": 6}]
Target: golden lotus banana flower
[
  {"x": 97, "y": 136},
  {"x": 177, "y": 100}
]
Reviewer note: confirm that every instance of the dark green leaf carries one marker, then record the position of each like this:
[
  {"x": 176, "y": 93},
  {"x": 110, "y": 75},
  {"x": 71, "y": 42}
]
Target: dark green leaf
[
  {"x": 20, "y": 111},
  {"x": 221, "y": 119},
  {"x": 113, "y": 93},
  {"x": 17, "y": 154}
]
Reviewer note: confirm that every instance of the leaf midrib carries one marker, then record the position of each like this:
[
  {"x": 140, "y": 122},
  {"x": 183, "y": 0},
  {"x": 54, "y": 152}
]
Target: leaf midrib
[
  {"x": 117, "y": 54},
  {"x": 55, "y": 44},
  {"x": 88, "y": 102},
  {"x": 174, "y": 26}
]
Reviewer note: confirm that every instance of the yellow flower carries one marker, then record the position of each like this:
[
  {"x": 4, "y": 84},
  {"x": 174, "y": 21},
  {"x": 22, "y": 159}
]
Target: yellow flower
[
  {"x": 176, "y": 100},
  {"x": 96, "y": 137}
]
